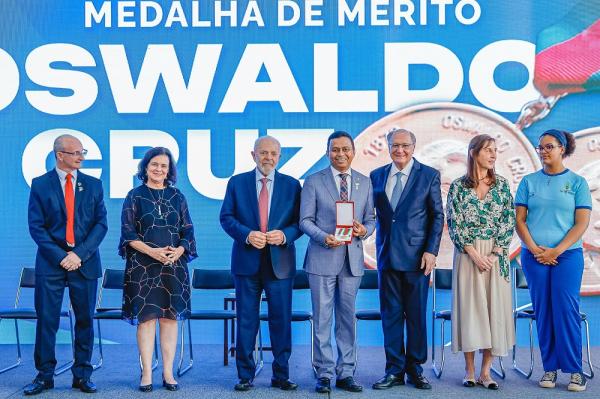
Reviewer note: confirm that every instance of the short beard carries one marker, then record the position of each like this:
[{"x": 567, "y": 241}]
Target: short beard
[{"x": 262, "y": 170}]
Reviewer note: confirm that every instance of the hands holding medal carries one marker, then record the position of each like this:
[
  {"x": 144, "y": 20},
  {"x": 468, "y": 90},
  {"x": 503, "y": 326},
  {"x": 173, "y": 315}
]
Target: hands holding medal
[{"x": 358, "y": 230}]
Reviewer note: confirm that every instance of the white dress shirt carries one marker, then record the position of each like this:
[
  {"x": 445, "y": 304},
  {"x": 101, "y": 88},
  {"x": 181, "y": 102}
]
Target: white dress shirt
[{"x": 62, "y": 176}]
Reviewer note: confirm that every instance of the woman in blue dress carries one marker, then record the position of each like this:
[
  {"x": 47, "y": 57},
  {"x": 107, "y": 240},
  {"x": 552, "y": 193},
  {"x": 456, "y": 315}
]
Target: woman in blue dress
[
  {"x": 157, "y": 239},
  {"x": 553, "y": 211}
]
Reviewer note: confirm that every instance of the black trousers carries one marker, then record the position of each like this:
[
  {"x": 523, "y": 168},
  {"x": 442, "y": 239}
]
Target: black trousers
[{"x": 49, "y": 291}]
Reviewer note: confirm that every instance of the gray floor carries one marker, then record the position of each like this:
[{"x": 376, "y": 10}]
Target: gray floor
[{"x": 210, "y": 379}]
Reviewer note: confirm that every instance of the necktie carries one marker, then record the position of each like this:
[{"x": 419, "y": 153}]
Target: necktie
[
  {"x": 263, "y": 205},
  {"x": 343, "y": 187},
  {"x": 70, "y": 206},
  {"x": 397, "y": 190}
]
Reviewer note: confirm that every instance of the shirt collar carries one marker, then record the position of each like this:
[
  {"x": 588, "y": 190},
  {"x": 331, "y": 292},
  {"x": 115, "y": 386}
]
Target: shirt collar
[
  {"x": 405, "y": 171},
  {"x": 63, "y": 175},
  {"x": 259, "y": 176},
  {"x": 337, "y": 172}
]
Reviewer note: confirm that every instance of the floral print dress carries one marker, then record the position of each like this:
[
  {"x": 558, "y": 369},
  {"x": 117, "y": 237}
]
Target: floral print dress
[{"x": 470, "y": 218}]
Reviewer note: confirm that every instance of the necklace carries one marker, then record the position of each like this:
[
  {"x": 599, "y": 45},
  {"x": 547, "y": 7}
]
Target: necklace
[
  {"x": 549, "y": 176},
  {"x": 158, "y": 201}
]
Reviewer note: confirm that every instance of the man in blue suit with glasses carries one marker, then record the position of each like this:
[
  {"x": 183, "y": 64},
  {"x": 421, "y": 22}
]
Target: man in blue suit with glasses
[
  {"x": 67, "y": 221},
  {"x": 410, "y": 221}
]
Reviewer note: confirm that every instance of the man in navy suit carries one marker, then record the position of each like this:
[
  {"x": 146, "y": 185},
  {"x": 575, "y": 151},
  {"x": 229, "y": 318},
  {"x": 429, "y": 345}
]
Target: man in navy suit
[
  {"x": 67, "y": 221},
  {"x": 260, "y": 212},
  {"x": 410, "y": 221}
]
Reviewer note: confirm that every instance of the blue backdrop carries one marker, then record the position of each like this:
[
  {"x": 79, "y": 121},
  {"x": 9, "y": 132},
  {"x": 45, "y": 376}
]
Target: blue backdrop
[{"x": 207, "y": 92}]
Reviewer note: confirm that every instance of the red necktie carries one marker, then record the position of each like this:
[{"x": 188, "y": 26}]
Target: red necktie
[
  {"x": 263, "y": 205},
  {"x": 70, "y": 205}
]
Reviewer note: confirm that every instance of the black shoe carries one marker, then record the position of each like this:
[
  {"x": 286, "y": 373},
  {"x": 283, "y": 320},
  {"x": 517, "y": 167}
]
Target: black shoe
[
  {"x": 323, "y": 385},
  {"x": 418, "y": 380},
  {"x": 146, "y": 388},
  {"x": 86, "y": 386},
  {"x": 284, "y": 385},
  {"x": 389, "y": 380},
  {"x": 348, "y": 384},
  {"x": 243, "y": 385},
  {"x": 170, "y": 387},
  {"x": 37, "y": 386}
]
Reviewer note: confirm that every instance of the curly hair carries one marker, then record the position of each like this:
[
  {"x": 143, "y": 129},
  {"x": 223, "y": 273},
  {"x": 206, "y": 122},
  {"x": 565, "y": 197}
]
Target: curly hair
[{"x": 566, "y": 139}]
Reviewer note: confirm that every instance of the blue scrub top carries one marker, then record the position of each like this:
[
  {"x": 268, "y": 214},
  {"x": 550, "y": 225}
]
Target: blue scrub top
[{"x": 551, "y": 201}]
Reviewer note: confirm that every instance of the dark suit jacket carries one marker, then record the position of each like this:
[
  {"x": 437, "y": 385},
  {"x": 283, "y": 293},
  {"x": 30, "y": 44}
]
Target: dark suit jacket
[
  {"x": 415, "y": 226},
  {"x": 239, "y": 216},
  {"x": 47, "y": 223}
]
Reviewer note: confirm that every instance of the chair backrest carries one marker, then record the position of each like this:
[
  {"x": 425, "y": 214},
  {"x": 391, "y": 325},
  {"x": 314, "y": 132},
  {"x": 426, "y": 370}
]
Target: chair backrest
[
  {"x": 212, "y": 279},
  {"x": 442, "y": 279},
  {"x": 520, "y": 280},
  {"x": 113, "y": 279},
  {"x": 370, "y": 280},
  {"x": 27, "y": 279},
  {"x": 301, "y": 280}
]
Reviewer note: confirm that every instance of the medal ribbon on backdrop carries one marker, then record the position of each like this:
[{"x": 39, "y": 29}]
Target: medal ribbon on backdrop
[
  {"x": 568, "y": 54},
  {"x": 567, "y": 60}
]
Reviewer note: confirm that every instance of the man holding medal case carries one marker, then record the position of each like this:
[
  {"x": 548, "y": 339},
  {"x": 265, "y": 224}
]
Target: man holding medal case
[{"x": 334, "y": 262}]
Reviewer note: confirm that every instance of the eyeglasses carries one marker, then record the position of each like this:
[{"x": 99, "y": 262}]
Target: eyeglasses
[
  {"x": 81, "y": 153},
  {"x": 546, "y": 148},
  {"x": 395, "y": 147}
]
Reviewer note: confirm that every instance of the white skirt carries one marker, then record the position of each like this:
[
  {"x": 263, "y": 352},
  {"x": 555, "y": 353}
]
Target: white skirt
[{"x": 482, "y": 315}]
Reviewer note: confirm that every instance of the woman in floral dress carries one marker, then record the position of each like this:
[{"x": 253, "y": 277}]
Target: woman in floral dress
[{"x": 481, "y": 221}]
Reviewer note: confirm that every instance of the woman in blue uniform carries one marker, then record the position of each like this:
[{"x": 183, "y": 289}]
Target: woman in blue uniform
[{"x": 553, "y": 211}]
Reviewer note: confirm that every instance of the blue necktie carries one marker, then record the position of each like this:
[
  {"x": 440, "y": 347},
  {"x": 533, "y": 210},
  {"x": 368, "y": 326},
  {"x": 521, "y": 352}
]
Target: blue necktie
[{"x": 397, "y": 191}]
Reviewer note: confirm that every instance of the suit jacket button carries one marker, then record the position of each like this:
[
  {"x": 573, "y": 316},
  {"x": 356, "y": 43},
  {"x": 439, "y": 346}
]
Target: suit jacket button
[{"x": 393, "y": 220}]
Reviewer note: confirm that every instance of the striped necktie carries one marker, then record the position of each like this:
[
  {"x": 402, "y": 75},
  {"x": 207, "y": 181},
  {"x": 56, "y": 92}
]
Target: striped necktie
[{"x": 343, "y": 187}]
